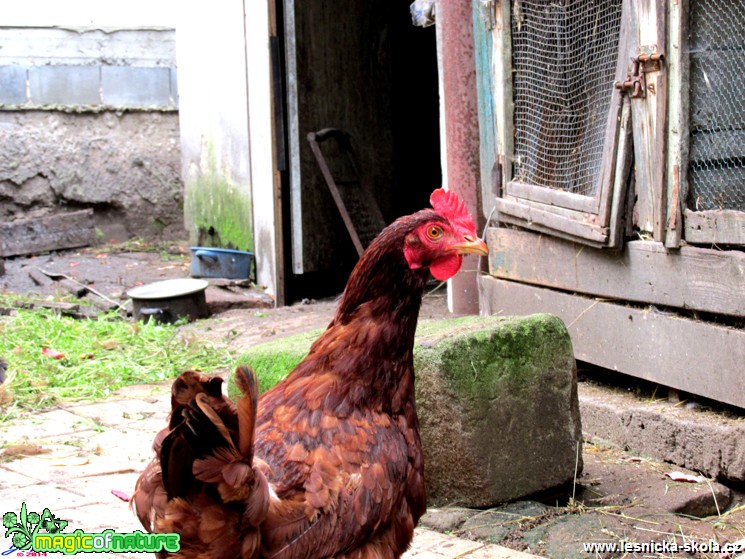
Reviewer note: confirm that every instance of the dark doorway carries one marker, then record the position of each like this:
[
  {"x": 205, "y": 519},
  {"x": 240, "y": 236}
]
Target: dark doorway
[{"x": 361, "y": 67}]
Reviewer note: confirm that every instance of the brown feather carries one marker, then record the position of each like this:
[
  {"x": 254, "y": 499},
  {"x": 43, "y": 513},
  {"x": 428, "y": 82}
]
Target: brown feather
[{"x": 248, "y": 384}]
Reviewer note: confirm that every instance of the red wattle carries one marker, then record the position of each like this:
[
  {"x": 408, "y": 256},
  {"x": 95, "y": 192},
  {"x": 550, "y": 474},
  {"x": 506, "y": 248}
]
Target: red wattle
[{"x": 446, "y": 267}]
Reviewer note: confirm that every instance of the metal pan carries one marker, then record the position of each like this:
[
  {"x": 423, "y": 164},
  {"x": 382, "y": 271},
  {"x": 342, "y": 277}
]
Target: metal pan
[{"x": 167, "y": 301}]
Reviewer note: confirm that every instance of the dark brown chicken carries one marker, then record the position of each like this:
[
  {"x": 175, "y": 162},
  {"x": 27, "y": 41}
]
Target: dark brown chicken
[{"x": 328, "y": 463}]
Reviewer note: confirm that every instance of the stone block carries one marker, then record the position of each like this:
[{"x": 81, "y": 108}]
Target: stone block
[
  {"x": 65, "y": 85},
  {"x": 498, "y": 408},
  {"x": 12, "y": 85},
  {"x": 713, "y": 444},
  {"x": 129, "y": 86}
]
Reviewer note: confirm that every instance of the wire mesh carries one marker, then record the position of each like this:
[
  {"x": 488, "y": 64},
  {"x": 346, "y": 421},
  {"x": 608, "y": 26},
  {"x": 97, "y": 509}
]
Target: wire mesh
[
  {"x": 716, "y": 171},
  {"x": 564, "y": 55}
]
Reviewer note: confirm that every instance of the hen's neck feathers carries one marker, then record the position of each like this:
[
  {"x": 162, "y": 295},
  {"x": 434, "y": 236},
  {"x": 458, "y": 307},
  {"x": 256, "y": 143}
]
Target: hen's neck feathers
[
  {"x": 369, "y": 343},
  {"x": 382, "y": 278}
]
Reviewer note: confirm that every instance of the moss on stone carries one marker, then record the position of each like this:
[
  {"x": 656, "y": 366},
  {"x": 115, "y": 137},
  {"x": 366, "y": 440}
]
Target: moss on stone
[
  {"x": 477, "y": 361},
  {"x": 273, "y": 361},
  {"x": 473, "y": 352}
]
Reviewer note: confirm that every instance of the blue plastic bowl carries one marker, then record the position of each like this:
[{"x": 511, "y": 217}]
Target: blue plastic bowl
[{"x": 220, "y": 263}]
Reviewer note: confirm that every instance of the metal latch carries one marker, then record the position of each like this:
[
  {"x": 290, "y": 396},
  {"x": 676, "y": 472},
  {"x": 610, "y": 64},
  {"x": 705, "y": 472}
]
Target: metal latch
[{"x": 635, "y": 84}]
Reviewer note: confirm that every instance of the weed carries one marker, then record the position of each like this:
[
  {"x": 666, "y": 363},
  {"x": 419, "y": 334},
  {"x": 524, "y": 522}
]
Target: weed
[{"x": 53, "y": 358}]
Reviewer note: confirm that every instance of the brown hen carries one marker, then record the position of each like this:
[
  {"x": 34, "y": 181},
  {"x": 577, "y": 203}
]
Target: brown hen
[{"x": 328, "y": 463}]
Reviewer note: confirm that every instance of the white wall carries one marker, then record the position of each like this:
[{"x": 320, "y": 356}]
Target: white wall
[
  {"x": 91, "y": 13},
  {"x": 223, "y": 64}
]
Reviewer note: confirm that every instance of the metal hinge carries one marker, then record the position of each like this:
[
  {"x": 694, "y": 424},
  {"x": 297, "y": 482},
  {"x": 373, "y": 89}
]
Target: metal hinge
[{"x": 635, "y": 84}]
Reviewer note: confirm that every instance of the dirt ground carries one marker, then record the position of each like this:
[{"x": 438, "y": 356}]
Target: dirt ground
[{"x": 619, "y": 495}]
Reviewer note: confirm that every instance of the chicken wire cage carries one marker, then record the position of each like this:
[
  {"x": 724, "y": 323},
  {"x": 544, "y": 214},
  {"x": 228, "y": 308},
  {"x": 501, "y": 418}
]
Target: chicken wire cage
[
  {"x": 564, "y": 57},
  {"x": 716, "y": 170}
]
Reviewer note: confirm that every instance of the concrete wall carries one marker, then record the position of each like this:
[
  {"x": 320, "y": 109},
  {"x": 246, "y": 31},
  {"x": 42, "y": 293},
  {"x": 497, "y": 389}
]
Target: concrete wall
[{"x": 89, "y": 117}]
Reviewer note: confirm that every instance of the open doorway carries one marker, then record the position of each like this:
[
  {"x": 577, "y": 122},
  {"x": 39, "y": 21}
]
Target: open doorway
[{"x": 361, "y": 67}]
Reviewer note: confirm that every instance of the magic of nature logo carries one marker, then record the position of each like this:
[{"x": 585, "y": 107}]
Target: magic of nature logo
[{"x": 32, "y": 534}]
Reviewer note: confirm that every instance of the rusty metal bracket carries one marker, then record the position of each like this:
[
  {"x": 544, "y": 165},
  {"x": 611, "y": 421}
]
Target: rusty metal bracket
[{"x": 635, "y": 84}]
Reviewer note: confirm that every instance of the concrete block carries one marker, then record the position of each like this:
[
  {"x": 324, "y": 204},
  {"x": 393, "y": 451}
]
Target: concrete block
[
  {"x": 174, "y": 86},
  {"x": 713, "y": 444},
  {"x": 498, "y": 408},
  {"x": 128, "y": 86},
  {"x": 13, "y": 85},
  {"x": 64, "y": 85}
]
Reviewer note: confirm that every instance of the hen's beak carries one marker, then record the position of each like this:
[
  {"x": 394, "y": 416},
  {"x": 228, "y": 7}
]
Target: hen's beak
[{"x": 471, "y": 245}]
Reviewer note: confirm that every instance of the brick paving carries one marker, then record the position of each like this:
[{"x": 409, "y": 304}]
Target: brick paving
[{"x": 71, "y": 458}]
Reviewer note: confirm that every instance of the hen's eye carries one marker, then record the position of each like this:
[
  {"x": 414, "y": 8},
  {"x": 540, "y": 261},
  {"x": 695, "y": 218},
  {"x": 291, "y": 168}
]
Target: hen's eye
[{"x": 434, "y": 232}]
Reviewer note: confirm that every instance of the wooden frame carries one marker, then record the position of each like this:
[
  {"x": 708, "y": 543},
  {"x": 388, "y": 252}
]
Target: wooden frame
[
  {"x": 706, "y": 227},
  {"x": 635, "y": 340},
  {"x": 565, "y": 214},
  {"x": 660, "y": 309},
  {"x": 691, "y": 278}
]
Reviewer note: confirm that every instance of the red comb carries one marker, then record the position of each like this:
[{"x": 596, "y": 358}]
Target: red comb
[{"x": 450, "y": 206}]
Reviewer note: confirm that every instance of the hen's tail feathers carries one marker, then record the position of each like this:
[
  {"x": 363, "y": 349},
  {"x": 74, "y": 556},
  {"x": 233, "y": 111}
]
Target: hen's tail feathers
[
  {"x": 248, "y": 384},
  {"x": 211, "y": 447},
  {"x": 150, "y": 496}
]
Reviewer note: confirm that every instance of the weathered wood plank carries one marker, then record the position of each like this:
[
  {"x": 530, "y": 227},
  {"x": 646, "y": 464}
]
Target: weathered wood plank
[
  {"x": 715, "y": 226},
  {"x": 619, "y": 196},
  {"x": 694, "y": 356},
  {"x": 618, "y": 151},
  {"x": 648, "y": 114},
  {"x": 54, "y": 232},
  {"x": 483, "y": 20},
  {"x": 532, "y": 215},
  {"x": 503, "y": 93},
  {"x": 677, "y": 123},
  {"x": 645, "y": 272},
  {"x": 553, "y": 197}
]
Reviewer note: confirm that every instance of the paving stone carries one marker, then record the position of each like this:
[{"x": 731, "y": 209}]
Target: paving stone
[
  {"x": 562, "y": 537},
  {"x": 433, "y": 545},
  {"x": 125, "y": 414},
  {"x": 12, "y": 480},
  {"x": 98, "y": 488},
  {"x": 493, "y": 525},
  {"x": 55, "y": 423},
  {"x": 446, "y": 519},
  {"x": 40, "y": 496}
]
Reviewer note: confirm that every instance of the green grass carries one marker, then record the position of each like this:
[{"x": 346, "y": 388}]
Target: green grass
[{"x": 100, "y": 356}]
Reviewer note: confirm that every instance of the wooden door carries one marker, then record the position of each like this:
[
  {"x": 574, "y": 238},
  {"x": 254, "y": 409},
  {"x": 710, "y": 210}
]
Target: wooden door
[{"x": 338, "y": 76}]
